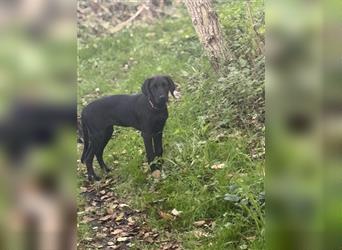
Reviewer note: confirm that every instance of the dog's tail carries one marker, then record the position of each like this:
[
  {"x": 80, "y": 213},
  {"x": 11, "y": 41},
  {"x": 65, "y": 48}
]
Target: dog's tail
[
  {"x": 85, "y": 137},
  {"x": 80, "y": 135}
]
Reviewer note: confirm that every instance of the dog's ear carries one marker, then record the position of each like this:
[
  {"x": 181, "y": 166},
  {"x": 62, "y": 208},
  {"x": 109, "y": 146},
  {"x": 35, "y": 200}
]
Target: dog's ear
[
  {"x": 145, "y": 88},
  {"x": 172, "y": 86}
]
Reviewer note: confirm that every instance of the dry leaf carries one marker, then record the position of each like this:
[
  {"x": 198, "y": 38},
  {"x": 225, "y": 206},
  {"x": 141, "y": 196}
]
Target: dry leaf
[
  {"x": 130, "y": 220},
  {"x": 87, "y": 219},
  {"x": 200, "y": 234},
  {"x": 120, "y": 217},
  {"x": 251, "y": 238},
  {"x": 121, "y": 239},
  {"x": 199, "y": 223},
  {"x": 89, "y": 209},
  {"x": 166, "y": 216},
  {"x": 177, "y": 94},
  {"x": 110, "y": 211},
  {"x": 107, "y": 217},
  {"x": 117, "y": 231},
  {"x": 156, "y": 174},
  {"x": 104, "y": 197},
  {"x": 175, "y": 212},
  {"x": 217, "y": 166},
  {"x": 149, "y": 240},
  {"x": 101, "y": 235}
]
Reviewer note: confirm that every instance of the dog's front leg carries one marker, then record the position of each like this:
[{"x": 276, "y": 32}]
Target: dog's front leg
[
  {"x": 158, "y": 148},
  {"x": 149, "y": 149},
  {"x": 158, "y": 144}
]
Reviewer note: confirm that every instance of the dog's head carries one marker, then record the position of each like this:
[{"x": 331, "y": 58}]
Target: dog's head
[{"x": 157, "y": 89}]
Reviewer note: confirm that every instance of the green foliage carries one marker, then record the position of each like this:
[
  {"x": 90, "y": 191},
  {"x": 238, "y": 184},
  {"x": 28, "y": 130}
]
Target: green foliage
[{"x": 214, "y": 136}]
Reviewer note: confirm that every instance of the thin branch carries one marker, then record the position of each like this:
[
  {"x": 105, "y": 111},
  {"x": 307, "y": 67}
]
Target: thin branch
[
  {"x": 122, "y": 25},
  {"x": 259, "y": 42}
]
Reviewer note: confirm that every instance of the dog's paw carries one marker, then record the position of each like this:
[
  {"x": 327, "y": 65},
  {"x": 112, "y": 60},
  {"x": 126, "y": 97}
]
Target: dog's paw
[{"x": 93, "y": 178}]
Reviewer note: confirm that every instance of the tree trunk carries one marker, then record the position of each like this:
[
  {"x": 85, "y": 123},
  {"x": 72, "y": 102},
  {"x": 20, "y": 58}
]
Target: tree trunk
[{"x": 205, "y": 21}]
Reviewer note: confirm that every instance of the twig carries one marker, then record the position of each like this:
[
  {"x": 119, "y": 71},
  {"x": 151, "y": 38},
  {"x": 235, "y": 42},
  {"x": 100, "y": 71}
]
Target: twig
[
  {"x": 259, "y": 42},
  {"x": 122, "y": 25}
]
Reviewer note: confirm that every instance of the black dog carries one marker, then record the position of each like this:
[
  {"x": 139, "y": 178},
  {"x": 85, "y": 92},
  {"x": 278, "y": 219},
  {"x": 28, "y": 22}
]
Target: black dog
[
  {"x": 146, "y": 112},
  {"x": 33, "y": 124}
]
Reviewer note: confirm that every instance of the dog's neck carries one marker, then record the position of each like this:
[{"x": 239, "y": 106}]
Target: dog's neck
[{"x": 154, "y": 107}]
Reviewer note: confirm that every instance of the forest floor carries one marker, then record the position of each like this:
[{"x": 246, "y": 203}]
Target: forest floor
[
  {"x": 212, "y": 192},
  {"x": 109, "y": 223}
]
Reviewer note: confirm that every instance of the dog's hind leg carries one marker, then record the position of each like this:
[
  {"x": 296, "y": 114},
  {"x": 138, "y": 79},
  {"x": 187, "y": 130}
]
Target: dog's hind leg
[
  {"x": 89, "y": 161},
  {"x": 99, "y": 151}
]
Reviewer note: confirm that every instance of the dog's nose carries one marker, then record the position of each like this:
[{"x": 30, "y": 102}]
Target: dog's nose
[{"x": 162, "y": 98}]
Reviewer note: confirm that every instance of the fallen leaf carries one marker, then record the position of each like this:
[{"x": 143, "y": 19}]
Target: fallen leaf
[
  {"x": 117, "y": 231},
  {"x": 149, "y": 240},
  {"x": 107, "y": 217},
  {"x": 101, "y": 235},
  {"x": 199, "y": 223},
  {"x": 156, "y": 174},
  {"x": 119, "y": 217},
  {"x": 130, "y": 244},
  {"x": 166, "y": 216},
  {"x": 177, "y": 94},
  {"x": 175, "y": 212},
  {"x": 200, "y": 234},
  {"x": 251, "y": 238},
  {"x": 130, "y": 221},
  {"x": 110, "y": 211},
  {"x": 104, "y": 197},
  {"x": 121, "y": 239},
  {"x": 243, "y": 247},
  {"x": 89, "y": 209},
  {"x": 87, "y": 219},
  {"x": 123, "y": 205},
  {"x": 217, "y": 166}
]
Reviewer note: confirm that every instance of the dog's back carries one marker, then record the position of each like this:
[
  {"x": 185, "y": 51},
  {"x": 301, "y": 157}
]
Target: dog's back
[{"x": 111, "y": 110}]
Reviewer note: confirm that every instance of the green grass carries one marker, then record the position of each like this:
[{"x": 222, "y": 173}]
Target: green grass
[{"x": 201, "y": 131}]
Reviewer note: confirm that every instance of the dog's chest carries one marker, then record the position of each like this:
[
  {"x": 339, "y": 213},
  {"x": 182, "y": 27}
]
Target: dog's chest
[{"x": 158, "y": 121}]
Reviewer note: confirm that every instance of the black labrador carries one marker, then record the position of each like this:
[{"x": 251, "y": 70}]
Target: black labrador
[
  {"x": 146, "y": 112},
  {"x": 33, "y": 124}
]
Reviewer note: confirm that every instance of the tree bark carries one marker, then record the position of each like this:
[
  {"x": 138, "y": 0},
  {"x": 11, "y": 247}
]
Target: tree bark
[{"x": 206, "y": 24}]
